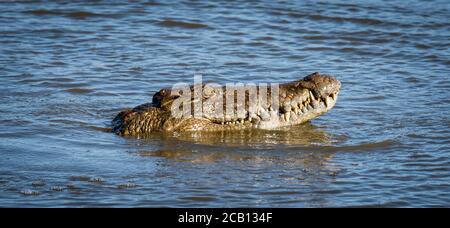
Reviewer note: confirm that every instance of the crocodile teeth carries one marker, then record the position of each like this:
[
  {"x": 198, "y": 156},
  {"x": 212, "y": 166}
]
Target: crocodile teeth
[
  {"x": 312, "y": 95},
  {"x": 333, "y": 95},
  {"x": 242, "y": 121},
  {"x": 296, "y": 110},
  {"x": 327, "y": 102},
  {"x": 287, "y": 116}
]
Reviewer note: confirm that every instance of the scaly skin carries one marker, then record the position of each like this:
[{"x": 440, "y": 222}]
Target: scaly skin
[{"x": 299, "y": 101}]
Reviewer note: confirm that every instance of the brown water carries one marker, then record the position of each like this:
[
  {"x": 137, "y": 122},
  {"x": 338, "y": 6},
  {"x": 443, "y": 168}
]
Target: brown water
[{"x": 67, "y": 68}]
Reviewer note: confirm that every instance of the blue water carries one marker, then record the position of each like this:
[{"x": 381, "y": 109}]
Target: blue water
[{"x": 67, "y": 68}]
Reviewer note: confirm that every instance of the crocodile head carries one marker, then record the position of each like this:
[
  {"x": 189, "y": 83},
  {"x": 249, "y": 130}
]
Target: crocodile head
[{"x": 298, "y": 102}]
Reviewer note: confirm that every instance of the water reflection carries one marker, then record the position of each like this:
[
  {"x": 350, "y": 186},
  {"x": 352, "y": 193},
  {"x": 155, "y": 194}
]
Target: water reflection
[
  {"x": 289, "y": 145},
  {"x": 303, "y": 158},
  {"x": 305, "y": 134}
]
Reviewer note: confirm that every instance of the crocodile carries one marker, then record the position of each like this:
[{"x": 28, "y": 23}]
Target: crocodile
[{"x": 298, "y": 102}]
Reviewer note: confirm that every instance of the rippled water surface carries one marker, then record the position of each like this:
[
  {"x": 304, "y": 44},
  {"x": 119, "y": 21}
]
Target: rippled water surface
[{"x": 67, "y": 68}]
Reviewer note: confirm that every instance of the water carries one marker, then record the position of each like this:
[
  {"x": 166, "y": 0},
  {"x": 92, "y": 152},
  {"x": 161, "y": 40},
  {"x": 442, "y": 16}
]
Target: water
[{"x": 67, "y": 68}]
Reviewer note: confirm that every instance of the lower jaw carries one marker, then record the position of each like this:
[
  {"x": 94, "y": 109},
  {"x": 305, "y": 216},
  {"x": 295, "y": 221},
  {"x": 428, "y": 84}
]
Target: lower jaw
[
  {"x": 279, "y": 123},
  {"x": 294, "y": 119},
  {"x": 275, "y": 123}
]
